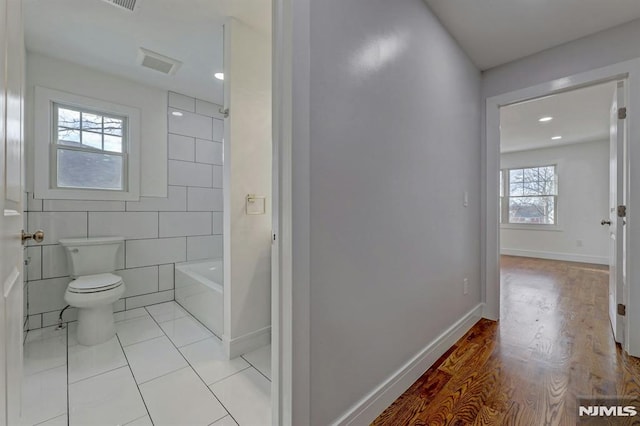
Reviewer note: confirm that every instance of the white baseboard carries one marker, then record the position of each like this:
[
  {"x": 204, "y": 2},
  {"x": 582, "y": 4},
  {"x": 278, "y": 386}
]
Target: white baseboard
[
  {"x": 370, "y": 407},
  {"x": 246, "y": 343},
  {"x": 568, "y": 257}
]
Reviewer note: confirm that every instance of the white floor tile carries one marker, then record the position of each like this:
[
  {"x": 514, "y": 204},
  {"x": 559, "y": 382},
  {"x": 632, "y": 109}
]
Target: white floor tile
[
  {"x": 153, "y": 358},
  {"x": 137, "y": 330},
  {"x": 184, "y": 331},
  {"x": 261, "y": 359},
  {"x": 132, "y": 314},
  {"x": 142, "y": 421},
  {"x": 180, "y": 398},
  {"x": 209, "y": 360},
  {"x": 44, "y": 395},
  {"x": 247, "y": 396},
  {"x": 166, "y": 311},
  {"x": 87, "y": 361},
  {"x": 108, "y": 399},
  {"x": 45, "y": 351},
  {"x": 225, "y": 421},
  {"x": 58, "y": 421}
]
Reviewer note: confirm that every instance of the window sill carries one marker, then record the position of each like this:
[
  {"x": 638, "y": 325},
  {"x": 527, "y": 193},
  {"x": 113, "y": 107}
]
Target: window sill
[
  {"x": 518, "y": 227},
  {"x": 85, "y": 194}
]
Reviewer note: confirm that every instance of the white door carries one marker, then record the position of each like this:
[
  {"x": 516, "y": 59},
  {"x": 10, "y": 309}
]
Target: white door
[
  {"x": 11, "y": 209},
  {"x": 615, "y": 221}
]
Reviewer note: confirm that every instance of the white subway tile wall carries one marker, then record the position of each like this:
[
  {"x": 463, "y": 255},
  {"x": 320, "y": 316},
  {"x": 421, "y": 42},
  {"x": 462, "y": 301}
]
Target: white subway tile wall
[{"x": 159, "y": 232}]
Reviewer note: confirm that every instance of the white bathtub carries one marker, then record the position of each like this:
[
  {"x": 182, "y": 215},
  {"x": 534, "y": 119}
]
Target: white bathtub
[{"x": 200, "y": 290}]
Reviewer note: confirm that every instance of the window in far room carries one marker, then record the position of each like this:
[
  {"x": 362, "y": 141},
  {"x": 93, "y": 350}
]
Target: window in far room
[{"x": 529, "y": 196}]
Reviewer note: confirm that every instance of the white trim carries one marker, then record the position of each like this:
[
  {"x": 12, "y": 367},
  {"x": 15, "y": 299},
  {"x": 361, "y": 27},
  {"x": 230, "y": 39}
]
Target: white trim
[
  {"x": 531, "y": 227},
  {"x": 44, "y": 100},
  {"x": 491, "y": 256},
  {"x": 375, "y": 402},
  {"x": 281, "y": 249},
  {"x": 568, "y": 257},
  {"x": 247, "y": 342},
  {"x": 291, "y": 74}
]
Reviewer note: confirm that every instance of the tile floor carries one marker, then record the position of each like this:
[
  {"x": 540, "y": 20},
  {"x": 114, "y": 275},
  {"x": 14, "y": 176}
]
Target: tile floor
[{"x": 162, "y": 368}]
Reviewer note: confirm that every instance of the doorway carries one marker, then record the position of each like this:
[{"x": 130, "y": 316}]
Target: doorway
[
  {"x": 538, "y": 213},
  {"x": 558, "y": 186},
  {"x": 181, "y": 117}
]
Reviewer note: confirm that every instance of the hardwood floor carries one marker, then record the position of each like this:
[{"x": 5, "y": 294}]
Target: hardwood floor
[{"x": 553, "y": 343}]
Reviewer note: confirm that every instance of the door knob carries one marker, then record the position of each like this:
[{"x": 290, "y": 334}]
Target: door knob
[
  {"x": 605, "y": 222},
  {"x": 37, "y": 236}
]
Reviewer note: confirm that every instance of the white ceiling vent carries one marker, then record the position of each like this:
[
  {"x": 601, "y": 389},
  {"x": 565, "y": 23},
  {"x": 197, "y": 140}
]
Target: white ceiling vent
[
  {"x": 158, "y": 62},
  {"x": 124, "y": 4}
]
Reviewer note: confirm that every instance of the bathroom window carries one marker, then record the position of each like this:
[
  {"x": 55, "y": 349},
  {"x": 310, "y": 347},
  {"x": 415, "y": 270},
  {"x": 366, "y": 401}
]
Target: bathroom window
[
  {"x": 91, "y": 148},
  {"x": 529, "y": 196}
]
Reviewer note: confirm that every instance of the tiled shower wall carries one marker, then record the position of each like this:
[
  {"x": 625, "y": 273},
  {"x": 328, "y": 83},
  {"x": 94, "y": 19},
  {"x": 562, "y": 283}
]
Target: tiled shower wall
[{"x": 159, "y": 232}]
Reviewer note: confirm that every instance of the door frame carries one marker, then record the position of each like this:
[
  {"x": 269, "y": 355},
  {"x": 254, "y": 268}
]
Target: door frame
[
  {"x": 282, "y": 214},
  {"x": 630, "y": 72}
]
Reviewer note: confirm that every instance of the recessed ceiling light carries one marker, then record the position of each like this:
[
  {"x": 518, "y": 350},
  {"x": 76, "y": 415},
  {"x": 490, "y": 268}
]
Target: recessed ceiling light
[
  {"x": 545, "y": 119},
  {"x": 177, "y": 113},
  {"x": 219, "y": 75},
  {"x": 555, "y": 138}
]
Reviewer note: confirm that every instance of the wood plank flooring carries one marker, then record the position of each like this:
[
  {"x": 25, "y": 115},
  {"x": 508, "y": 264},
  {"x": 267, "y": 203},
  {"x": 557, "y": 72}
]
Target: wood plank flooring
[{"x": 553, "y": 343}]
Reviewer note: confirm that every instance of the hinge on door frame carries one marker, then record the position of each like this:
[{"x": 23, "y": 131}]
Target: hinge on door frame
[
  {"x": 622, "y": 113},
  {"x": 622, "y": 211},
  {"x": 622, "y": 309}
]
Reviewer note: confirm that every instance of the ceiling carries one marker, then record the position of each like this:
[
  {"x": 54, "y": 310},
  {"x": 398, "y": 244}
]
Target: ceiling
[
  {"x": 494, "y": 32},
  {"x": 99, "y": 35},
  {"x": 578, "y": 116}
]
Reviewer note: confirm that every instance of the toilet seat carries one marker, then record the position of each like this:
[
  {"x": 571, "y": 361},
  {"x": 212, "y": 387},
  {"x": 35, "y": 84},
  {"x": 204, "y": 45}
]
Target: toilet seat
[{"x": 94, "y": 283}]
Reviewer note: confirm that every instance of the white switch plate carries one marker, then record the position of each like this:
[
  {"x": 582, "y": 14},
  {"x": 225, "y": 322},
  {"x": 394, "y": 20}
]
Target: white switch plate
[
  {"x": 465, "y": 201},
  {"x": 256, "y": 204},
  {"x": 466, "y": 286}
]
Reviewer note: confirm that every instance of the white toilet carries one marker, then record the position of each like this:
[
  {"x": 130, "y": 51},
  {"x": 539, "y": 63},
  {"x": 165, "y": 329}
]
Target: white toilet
[{"x": 94, "y": 288}]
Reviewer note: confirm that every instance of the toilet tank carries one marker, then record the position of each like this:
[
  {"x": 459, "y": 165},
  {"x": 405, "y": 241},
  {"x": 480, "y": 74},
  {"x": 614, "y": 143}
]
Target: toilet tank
[{"x": 89, "y": 256}]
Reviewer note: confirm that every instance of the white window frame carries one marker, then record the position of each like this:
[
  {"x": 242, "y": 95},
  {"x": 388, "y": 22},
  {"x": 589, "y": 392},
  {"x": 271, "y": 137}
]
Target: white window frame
[
  {"x": 504, "y": 211},
  {"x": 46, "y": 147}
]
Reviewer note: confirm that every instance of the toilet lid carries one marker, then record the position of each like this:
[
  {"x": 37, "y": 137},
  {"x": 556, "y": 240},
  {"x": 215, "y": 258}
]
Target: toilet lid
[{"x": 95, "y": 283}]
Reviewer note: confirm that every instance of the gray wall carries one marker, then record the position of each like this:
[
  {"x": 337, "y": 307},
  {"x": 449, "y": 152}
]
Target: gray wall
[
  {"x": 598, "y": 50},
  {"x": 394, "y": 143}
]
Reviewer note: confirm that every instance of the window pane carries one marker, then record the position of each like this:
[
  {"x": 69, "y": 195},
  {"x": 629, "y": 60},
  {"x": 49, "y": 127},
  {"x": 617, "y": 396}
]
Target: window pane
[
  {"x": 93, "y": 140},
  {"x": 112, "y": 143},
  {"x": 91, "y": 122},
  {"x": 532, "y": 210},
  {"x": 548, "y": 175},
  {"x": 68, "y": 136},
  {"x": 77, "y": 169},
  {"x": 516, "y": 189},
  {"x": 516, "y": 175},
  {"x": 68, "y": 118},
  {"x": 113, "y": 126}
]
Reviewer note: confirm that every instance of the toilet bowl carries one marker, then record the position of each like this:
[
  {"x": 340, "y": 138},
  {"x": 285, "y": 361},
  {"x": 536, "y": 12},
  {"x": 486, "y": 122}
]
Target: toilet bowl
[
  {"x": 94, "y": 287},
  {"x": 93, "y": 296}
]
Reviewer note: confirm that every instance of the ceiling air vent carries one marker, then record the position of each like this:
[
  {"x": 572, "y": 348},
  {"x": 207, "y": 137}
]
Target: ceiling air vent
[
  {"x": 124, "y": 4},
  {"x": 158, "y": 62}
]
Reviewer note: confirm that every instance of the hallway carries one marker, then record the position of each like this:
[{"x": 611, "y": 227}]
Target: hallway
[{"x": 553, "y": 344}]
